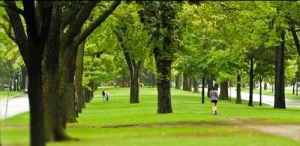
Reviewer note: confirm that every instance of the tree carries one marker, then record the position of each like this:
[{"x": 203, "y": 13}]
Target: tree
[
  {"x": 159, "y": 19},
  {"x": 44, "y": 26},
  {"x": 134, "y": 42}
]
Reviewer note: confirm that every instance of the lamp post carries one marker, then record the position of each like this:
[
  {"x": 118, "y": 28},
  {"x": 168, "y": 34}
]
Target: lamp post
[{"x": 16, "y": 84}]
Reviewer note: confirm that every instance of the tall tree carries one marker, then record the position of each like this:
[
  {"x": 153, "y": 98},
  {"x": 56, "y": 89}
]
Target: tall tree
[
  {"x": 40, "y": 18},
  {"x": 134, "y": 43},
  {"x": 159, "y": 19}
]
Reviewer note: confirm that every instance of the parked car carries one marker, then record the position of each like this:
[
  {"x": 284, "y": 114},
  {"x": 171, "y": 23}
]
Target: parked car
[
  {"x": 128, "y": 84},
  {"x": 141, "y": 84}
]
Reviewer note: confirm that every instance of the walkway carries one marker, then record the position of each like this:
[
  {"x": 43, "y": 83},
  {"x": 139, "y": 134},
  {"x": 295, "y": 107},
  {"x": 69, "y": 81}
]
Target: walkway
[
  {"x": 13, "y": 106},
  {"x": 266, "y": 99}
]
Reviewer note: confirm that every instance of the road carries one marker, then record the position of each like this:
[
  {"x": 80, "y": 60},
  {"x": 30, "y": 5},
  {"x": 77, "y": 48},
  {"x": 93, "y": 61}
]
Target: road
[{"x": 19, "y": 104}]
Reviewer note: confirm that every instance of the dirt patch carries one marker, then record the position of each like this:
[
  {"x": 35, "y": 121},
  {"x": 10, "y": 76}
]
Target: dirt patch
[
  {"x": 176, "y": 124},
  {"x": 291, "y": 131},
  {"x": 21, "y": 127}
]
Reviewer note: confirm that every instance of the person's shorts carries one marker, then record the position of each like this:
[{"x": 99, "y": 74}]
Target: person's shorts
[{"x": 214, "y": 101}]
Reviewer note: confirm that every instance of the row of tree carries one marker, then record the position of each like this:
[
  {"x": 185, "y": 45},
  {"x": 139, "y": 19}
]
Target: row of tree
[{"x": 215, "y": 40}]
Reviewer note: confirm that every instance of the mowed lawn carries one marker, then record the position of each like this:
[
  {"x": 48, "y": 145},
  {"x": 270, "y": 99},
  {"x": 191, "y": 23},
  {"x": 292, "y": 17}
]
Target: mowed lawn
[
  {"x": 119, "y": 123},
  {"x": 7, "y": 93}
]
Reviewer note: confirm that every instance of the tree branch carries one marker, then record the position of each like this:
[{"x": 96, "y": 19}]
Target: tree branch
[
  {"x": 13, "y": 8},
  {"x": 296, "y": 39},
  {"x": 30, "y": 19},
  {"x": 77, "y": 23},
  {"x": 71, "y": 15},
  {"x": 46, "y": 20},
  {"x": 85, "y": 33},
  {"x": 20, "y": 35}
]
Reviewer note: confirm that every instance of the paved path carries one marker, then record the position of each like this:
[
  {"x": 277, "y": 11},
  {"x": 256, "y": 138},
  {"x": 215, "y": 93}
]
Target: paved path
[
  {"x": 267, "y": 99},
  {"x": 13, "y": 106}
]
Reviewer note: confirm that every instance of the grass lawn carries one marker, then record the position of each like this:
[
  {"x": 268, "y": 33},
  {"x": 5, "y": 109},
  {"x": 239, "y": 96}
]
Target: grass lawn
[
  {"x": 7, "y": 93},
  {"x": 119, "y": 123}
]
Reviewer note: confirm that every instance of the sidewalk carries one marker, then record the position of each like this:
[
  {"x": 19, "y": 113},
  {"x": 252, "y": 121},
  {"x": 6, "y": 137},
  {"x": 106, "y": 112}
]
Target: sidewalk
[
  {"x": 266, "y": 99},
  {"x": 13, "y": 106}
]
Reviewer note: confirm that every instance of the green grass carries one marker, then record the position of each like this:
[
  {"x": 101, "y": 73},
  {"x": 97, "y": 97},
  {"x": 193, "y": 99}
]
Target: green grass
[
  {"x": 7, "y": 93},
  {"x": 120, "y": 123}
]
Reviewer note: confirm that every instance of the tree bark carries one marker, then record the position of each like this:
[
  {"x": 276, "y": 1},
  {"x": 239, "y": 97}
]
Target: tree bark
[
  {"x": 35, "y": 92},
  {"x": 178, "y": 81},
  {"x": 190, "y": 83},
  {"x": 53, "y": 123},
  {"x": 265, "y": 86},
  {"x": 134, "y": 66},
  {"x": 196, "y": 85},
  {"x": 251, "y": 82},
  {"x": 203, "y": 89},
  {"x": 279, "y": 101},
  {"x": 238, "y": 89},
  {"x": 87, "y": 95},
  {"x": 210, "y": 84},
  {"x": 78, "y": 77},
  {"x": 185, "y": 82},
  {"x": 66, "y": 91},
  {"x": 260, "y": 90},
  {"x": 163, "y": 68},
  {"x": 224, "y": 91}
]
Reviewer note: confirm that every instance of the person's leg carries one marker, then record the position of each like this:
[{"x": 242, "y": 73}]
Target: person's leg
[
  {"x": 216, "y": 102},
  {"x": 213, "y": 106}
]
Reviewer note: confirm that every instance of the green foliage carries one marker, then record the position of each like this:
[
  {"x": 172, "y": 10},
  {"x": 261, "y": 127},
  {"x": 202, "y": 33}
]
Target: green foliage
[
  {"x": 160, "y": 21},
  {"x": 98, "y": 70},
  {"x": 127, "y": 25}
]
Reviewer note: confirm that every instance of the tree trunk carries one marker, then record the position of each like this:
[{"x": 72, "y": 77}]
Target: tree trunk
[
  {"x": 265, "y": 86},
  {"x": 224, "y": 91},
  {"x": 196, "y": 85},
  {"x": 78, "y": 76},
  {"x": 67, "y": 92},
  {"x": 251, "y": 82},
  {"x": 178, "y": 81},
  {"x": 293, "y": 89},
  {"x": 238, "y": 89},
  {"x": 260, "y": 90},
  {"x": 185, "y": 82},
  {"x": 134, "y": 88},
  {"x": 133, "y": 65},
  {"x": 35, "y": 94},
  {"x": 190, "y": 79},
  {"x": 279, "y": 101},
  {"x": 203, "y": 89},
  {"x": 297, "y": 87},
  {"x": 53, "y": 124},
  {"x": 210, "y": 84},
  {"x": 22, "y": 82},
  {"x": 87, "y": 95},
  {"x": 163, "y": 68}
]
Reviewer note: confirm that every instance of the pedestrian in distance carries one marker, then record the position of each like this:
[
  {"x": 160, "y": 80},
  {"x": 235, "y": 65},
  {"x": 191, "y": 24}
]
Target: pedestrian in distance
[
  {"x": 214, "y": 100},
  {"x": 103, "y": 95},
  {"x": 107, "y": 95}
]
